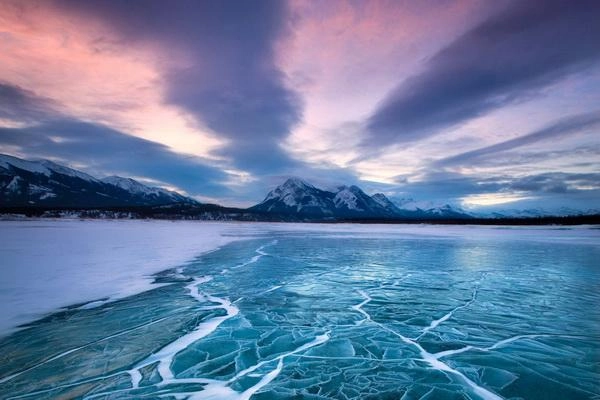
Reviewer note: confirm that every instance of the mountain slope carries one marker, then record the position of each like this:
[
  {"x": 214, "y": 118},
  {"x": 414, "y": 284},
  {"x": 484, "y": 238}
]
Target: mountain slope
[
  {"x": 384, "y": 202},
  {"x": 352, "y": 201},
  {"x": 536, "y": 213},
  {"x": 47, "y": 184},
  {"x": 296, "y": 197},
  {"x": 150, "y": 195},
  {"x": 394, "y": 210},
  {"x": 431, "y": 209}
]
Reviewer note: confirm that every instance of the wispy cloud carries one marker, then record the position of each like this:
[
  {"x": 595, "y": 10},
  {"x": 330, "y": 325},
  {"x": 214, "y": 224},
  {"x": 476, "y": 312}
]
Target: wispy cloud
[
  {"x": 102, "y": 151},
  {"x": 224, "y": 99},
  {"x": 503, "y": 60},
  {"x": 583, "y": 123},
  {"x": 454, "y": 187},
  {"x": 557, "y": 182},
  {"x": 226, "y": 75}
]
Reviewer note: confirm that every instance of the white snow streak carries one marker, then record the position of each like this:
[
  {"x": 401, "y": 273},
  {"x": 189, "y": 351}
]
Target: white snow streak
[
  {"x": 447, "y": 316},
  {"x": 258, "y": 256},
  {"x": 165, "y": 355},
  {"x": 431, "y": 359}
]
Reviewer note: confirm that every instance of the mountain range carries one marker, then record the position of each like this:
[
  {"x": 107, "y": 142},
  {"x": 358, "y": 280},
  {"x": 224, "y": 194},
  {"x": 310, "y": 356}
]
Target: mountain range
[
  {"x": 298, "y": 197},
  {"x": 47, "y": 185}
]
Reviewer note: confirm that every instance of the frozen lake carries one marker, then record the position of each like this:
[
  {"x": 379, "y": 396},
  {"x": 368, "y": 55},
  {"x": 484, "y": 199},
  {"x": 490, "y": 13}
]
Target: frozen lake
[{"x": 192, "y": 310}]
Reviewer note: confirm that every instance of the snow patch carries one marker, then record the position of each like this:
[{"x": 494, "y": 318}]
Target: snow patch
[
  {"x": 133, "y": 186},
  {"x": 31, "y": 166},
  {"x": 47, "y": 195},
  {"x": 37, "y": 189},
  {"x": 346, "y": 198},
  {"x": 67, "y": 171},
  {"x": 14, "y": 184}
]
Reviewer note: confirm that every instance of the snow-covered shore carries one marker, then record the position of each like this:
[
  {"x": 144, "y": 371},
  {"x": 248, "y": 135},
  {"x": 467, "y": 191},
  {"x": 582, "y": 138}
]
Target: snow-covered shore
[{"x": 49, "y": 264}]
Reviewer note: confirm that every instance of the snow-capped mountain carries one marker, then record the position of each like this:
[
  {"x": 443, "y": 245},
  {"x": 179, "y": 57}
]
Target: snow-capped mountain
[
  {"x": 43, "y": 185},
  {"x": 47, "y": 184},
  {"x": 297, "y": 197},
  {"x": 535, "y": 213},
  {"x": 395, "y": 209},
  {"x": 42, "y": 167},
  {"x": 352, "y": 200},
  {"x": 432, "y": 208},
  {"x": 149, "y": 193}
]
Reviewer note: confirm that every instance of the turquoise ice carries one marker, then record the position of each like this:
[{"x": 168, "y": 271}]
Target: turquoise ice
[{"x": 467, "y": 313}]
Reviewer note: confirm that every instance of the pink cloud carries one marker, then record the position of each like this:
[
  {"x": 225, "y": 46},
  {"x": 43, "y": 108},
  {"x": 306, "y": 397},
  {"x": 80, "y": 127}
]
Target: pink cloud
[
  {"x": 345, "y": 56},
  {"x": 85, "y": 68}
]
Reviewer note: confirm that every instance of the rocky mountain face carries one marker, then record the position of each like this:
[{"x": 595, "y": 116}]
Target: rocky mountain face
[
  {"x": 297, "y": 197},
  {"x": 47, "y": 184}
]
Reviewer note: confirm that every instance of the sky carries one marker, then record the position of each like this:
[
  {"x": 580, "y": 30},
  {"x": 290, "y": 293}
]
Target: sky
[{"x": 475, "y": 103}]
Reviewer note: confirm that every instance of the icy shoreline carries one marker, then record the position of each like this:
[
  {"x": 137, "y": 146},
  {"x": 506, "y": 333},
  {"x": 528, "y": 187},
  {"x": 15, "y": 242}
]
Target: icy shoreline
[{"x": 49, "y": 265}]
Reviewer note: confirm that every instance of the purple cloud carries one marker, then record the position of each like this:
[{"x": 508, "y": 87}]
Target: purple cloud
[{"x": 503, "y": 60}]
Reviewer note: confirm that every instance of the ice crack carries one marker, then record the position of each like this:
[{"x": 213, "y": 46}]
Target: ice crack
[
  {"x": 359, "y": 307},
  {"x": 166, "y": 354},
  {"x": 431, "y": 359},
  {"x": 67, "y": 352},
  {"x": 259, "y": 254},
  {"x": 434, "y": 324},
  {"x": 500, "y": 343},
  {"x": 221, "y": 390}
]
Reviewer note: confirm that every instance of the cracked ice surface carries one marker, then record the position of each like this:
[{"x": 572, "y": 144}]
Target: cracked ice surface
[{"x": 337, "y": 312}]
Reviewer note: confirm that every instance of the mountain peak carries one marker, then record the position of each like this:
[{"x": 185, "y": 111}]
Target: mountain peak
[
  {"x": 297, "y": 197},
  {"x": 61, "y": 169},
  {"x": 295, "y": 182},
  {"x": 351, "y": 188}
]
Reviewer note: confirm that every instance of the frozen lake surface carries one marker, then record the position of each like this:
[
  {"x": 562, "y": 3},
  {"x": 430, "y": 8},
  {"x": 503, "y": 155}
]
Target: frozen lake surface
[{"x": 279, "y": 311}]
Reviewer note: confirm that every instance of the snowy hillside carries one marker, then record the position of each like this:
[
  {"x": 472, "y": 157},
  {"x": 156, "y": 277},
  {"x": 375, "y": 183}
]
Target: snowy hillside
[
  {"x": 431, "y": 207},
  {"x": 150, "y": 193},
  {"x": 534, "y": 212},
  {"x": 47, "y": 184},
  {"x": 297, "y": 197}
]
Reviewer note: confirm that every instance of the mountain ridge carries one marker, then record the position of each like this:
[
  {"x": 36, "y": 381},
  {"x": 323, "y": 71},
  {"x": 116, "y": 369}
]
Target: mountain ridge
[
  {"x": 46, "y": 185},
  {"x": 296, "y": 196}
]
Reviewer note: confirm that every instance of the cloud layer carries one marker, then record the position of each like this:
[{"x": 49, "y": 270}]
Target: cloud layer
[
  {"x": 505, "y": 59},
  {"x": 586, "y": 123},
  {"x": 101, "y": 149},
  {"x": 226, "y": 77},
  {"x": 224, "y": 99}
]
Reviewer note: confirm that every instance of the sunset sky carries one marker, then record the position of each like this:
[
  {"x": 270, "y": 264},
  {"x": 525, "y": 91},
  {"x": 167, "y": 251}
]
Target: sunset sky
[{"x": 477, "y": 103}]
